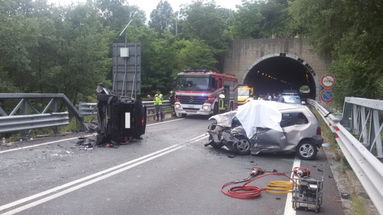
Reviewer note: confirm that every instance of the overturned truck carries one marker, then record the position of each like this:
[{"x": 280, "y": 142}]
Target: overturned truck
[{"x": 121, "y": 115}]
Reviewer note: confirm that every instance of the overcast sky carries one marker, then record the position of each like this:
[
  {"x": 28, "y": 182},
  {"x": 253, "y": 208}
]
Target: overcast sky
[{"x": 149, "y": 5}]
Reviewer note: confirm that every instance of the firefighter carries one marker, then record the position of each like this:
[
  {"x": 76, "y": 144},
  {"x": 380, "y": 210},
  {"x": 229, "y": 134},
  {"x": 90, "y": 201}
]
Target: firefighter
[{"x": 158, "y": 100}]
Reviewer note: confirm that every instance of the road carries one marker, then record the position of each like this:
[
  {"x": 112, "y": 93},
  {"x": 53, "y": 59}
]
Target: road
[{"x": 169, "y": 171}]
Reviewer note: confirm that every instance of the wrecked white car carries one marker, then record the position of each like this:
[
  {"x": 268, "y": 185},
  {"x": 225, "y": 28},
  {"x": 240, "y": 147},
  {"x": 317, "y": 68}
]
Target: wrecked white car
[{"x": 267, "y": 126}]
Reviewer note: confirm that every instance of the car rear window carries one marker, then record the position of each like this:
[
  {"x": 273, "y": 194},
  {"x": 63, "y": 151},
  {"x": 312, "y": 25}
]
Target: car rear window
[
  {"x": 293, "y": 118},
  {"x": 292, "y": 99}
]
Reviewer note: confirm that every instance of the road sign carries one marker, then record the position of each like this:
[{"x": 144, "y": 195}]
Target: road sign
[
  {"x": 327, "y": 81},
  {"x": 327, "y": 96}
]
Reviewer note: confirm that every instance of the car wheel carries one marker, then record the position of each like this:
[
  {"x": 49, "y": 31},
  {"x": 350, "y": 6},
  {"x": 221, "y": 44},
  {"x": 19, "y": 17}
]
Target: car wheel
[
  {"x": 242, "y": 147},
  {"x": 214, "y": 144},
  {"x": 306, "y": 150}
]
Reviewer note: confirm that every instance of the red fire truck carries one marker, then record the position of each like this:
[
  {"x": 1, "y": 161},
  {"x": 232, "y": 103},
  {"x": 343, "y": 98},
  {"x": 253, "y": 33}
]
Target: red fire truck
[{"x": 203, "y": 92}]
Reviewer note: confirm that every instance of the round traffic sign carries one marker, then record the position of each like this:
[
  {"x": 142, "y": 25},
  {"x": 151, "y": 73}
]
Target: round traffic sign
[
  {"x": 327, "y": 81},
  {"x": 327, "y": 95}
]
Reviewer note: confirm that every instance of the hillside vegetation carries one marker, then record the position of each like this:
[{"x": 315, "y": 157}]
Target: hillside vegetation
[{"x": 44, "y": 48}]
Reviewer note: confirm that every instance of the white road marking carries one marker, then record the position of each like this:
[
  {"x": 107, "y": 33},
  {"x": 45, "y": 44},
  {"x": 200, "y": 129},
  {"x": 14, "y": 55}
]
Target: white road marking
[
  {"x": 289, "y": 210},
  {"x": 165, "y": 122},
  {"x": 91, "y": 179},
  {"x": 43, "y": 144},
  {"x": 72, "y": 138}
]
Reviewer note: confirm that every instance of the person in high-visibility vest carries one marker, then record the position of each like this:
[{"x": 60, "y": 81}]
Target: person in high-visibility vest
[{"x": 158, "y": 100}]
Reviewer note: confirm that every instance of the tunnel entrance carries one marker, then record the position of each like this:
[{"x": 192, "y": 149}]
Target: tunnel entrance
[{"x": 276, "y": 74}]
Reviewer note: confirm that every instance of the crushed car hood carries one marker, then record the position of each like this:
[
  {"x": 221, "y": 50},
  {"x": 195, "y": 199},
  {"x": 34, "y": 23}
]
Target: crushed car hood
[
  {"x": 261, "y": 114},
  {"x": 224, "y": 119}
]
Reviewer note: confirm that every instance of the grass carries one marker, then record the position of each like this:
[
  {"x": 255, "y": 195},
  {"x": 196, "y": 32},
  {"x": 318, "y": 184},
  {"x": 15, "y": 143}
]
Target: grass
[{"x": 358, "y": 206}]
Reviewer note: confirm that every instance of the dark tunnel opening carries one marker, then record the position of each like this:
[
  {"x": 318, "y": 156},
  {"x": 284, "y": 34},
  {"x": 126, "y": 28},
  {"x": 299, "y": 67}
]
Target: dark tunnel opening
[{"x": 280, "y": 73}]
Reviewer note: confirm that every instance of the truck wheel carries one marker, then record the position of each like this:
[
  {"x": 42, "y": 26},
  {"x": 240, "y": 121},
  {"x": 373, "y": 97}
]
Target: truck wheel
[
  {"x": 242, "y": 147},
  {"x": 306, "y": 150}
]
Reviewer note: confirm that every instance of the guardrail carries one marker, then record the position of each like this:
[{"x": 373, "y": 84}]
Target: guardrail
[
  {"x": 91, "y": 108},
  {"x": 367, "y": 167},
  {"x": 29, "y": 111},
  {"x": 33, "y": 121},
  {"x": 87, "y": 109},
  {"x": 361, "y": 117}
]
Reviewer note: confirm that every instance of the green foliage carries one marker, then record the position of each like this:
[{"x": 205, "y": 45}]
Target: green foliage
[
  {"x": 49, "y": 49},
  {"x": 194, "y": 54},
  {"x": 206, "y": 22},
  {"x": 116, "y": 14},
  {"x": 247, "y": 21},
  {"x": 162, "y": 17},
  {"x": 162, "y": 66},
  {"x": 260, "y": 19},
  {"x": 351, "y": 33}
]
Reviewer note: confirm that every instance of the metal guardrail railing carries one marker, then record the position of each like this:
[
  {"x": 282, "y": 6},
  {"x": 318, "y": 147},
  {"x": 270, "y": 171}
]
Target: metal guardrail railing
[
  {"x": 33, "y": 121},
  {"x": 367, "y": 167},
  {"x": 87, "y": 109},
  {"x": 363, "y": 117},
  {"x": 27, "y": 111},
  {"x": 91, "y": 108}
]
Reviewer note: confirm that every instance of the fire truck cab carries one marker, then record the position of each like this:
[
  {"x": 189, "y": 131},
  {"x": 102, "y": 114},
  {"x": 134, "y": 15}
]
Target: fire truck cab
[{"x": 203, "y": 92}]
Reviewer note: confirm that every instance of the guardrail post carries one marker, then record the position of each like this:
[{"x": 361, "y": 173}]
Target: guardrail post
[
  {"x": 355, "y": 117},
  {"x": 25, "y": 107},
  {"x": 364, "y": 134},
  {"x": 377, "y": 137}
]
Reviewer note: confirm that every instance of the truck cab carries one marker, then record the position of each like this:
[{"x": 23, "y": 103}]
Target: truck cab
[
  {"x": 197, "y": 92},
  {"x": 245, "y": 93}
]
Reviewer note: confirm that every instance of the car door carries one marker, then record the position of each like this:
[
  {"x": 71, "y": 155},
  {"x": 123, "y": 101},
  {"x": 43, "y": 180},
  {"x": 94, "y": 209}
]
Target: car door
[
  {"x": 293, "y": 124},
  {"x": 270, "y": 140}
]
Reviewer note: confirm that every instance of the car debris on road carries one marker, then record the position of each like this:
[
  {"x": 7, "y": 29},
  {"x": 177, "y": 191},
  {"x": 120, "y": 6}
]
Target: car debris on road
[{"x": 86, "y": 143}]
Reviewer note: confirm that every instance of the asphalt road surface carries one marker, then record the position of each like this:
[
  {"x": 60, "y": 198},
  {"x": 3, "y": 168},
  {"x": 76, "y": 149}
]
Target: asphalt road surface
[{"x": 169, "y": 171}]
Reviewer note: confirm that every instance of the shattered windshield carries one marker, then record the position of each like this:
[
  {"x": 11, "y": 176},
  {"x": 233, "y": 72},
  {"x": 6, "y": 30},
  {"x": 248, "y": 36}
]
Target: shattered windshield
[{"x": 193, "y": 83}]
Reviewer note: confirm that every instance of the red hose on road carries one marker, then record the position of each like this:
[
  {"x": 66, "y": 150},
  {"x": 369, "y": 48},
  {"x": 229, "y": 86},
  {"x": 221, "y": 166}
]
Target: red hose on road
[{"x": 246, "y": 191}]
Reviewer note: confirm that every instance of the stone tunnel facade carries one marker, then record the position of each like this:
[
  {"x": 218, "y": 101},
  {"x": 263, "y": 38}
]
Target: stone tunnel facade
[{"x": 246, "y": 54}]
